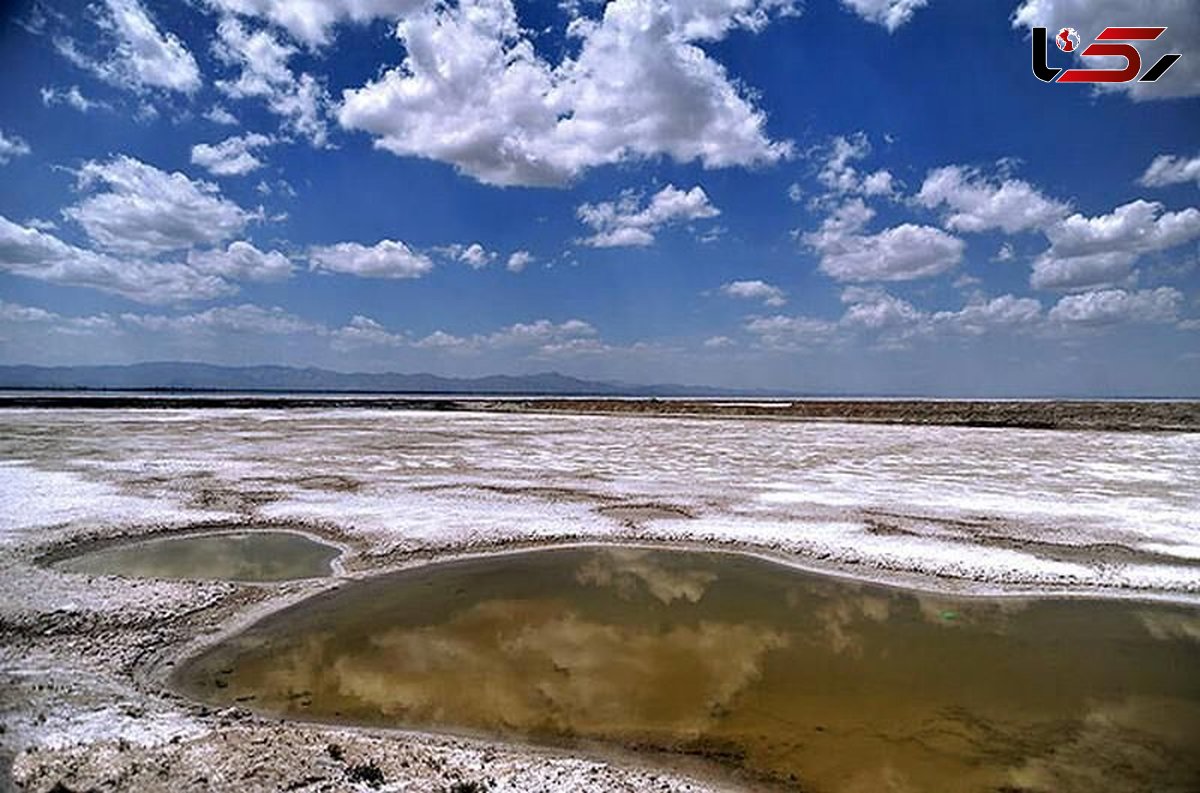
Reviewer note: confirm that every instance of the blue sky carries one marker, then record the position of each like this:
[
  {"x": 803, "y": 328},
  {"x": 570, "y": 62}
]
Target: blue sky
[{"x": 832, "y": 196}]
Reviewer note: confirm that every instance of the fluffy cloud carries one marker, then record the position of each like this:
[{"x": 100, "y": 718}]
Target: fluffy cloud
[
  {"x": 231, "y": 157},
  {"x": 41, "y": 224},
  {"x": 518, "y": 261},
  {"x": 15, "y": 313},
  {"x": 982, "y": 315},
  {"x": 384, "y": 259},
  {"x": 281, "y": 187},
  {"x": 11, "y": 147},
  {"x": 440, "y": 340},
  {"x": 977, "y": 203},
  {"x": 71, "y": 97},
  {"x": 889, "y": 13},
  {"x": 265, "y": 74},
  {"x": 241, "y": 261},
  {"x": 1167, "y": 169},
  {"x": 781, "y": 332},
  {"x": 878, "y": 183},
  {"x": 624, "y": 223},
  {"x": 892, "y": 322},
  {"x": 1081, "y": 272},
  {"x": 542, "y": 338},
  {"x": 138, "y": 54},
  {"x": 755, "y": 290},
  {"x": 473, "y": 92},
  {"x": 248, "y": 320},
  {"x": 312, "y": 21},
  {"x": 877, "y": 310},
  {"x": 219, "y": 115},
  {"x": 900, "y": 253},
  {"x": 474, "y": 255},
  {"x": 243, "y": 318},
  {"x": 42, "y": 322},
  {"x": 136, "y": 214},
  {"x": 246, "y": 326},
  {"x": 145, "y": 211},
  {"x": 1092, "y": 16},
  {"x": 1093, "y": 251},
  {"x": 1114, "y": 306},
  {"x": 363, "y": 331},
  {"x": 539, "y": 333},
  {"x": 36, "y": 254},
  {"x": 839, "y": 174}
]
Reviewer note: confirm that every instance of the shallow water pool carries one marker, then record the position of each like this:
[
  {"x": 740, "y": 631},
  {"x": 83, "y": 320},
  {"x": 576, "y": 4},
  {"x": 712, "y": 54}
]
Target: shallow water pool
[
  {"x": 766, "y": 672},
  {"x": 228, "y": 556}
]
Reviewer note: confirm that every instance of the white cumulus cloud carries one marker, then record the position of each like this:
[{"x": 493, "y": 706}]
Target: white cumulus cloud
[
  {"x": 71, "y": 97},
  {"x": 219, "y": 115},
  {"x": 780, "y": 332},
  {"x": 1114, "y": 306},
  {"x": 839, "y": 174},
  {"x": 1167, "y": 169},
  {"x": 891, "y": 322},
  {"x": 518, "y": 261},
  {"x": 755, "y": 290},
  {"x": 264, "y": 73},
  {"x": 472, "y": 91},
  {"x": 892, "y": 14},
  {"x": 136, "y": 53},
  {"x": 473, "y": 255},
  {"x": 981, "y": 315},
  {"x": 900, "y": 253},
  {"x": 543, "y": 338},
  {"x": 139, "y": 209},
  {"x": 976, "y": 203},
  {"x": 35, "y": 254},
  {"x": 11, "y": 147},
  {"x": 1094, "y": 251},
  {"x": 241, "y": 261},
  {"x": 384, "y": 259},
  {"x": 233, "y": 156},
  {"x": 625, "y": 223},
  {"x": 312, "y": 21}
]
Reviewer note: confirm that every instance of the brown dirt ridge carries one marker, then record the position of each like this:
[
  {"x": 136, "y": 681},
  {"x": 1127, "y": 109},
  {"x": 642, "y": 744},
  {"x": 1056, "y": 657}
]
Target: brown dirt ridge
[{"x": 1109, "y": 415}]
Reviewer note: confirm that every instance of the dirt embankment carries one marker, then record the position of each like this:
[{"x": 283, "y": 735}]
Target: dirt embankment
[
  {"x": 1121, "y": 416},
  {"x": 1141, "y": 416}
]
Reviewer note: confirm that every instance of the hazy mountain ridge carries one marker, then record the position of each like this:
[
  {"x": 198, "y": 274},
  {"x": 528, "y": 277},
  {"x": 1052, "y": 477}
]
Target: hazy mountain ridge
[{"x": 181, "y": 376}]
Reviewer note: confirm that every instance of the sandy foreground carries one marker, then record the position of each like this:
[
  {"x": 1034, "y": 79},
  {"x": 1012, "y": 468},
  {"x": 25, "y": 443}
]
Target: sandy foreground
[{"x": 967, "y": 510}]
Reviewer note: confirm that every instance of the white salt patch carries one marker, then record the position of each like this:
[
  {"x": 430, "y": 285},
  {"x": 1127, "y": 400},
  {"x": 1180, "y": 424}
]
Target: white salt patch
[
  {"x": 31, "y": 498},
  {"x": 800, "y": 486},
  {"x": 113, "y": 723},
  {"x": 1180, "y": 550}
]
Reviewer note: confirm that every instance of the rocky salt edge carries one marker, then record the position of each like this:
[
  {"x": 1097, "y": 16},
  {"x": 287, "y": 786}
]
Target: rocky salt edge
[{"x": 946, "y": 509}]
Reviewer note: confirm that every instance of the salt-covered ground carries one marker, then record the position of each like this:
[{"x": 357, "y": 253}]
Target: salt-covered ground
[
  {"x": 1089, "y": 510},
  {"x": 969, "y": 510}
]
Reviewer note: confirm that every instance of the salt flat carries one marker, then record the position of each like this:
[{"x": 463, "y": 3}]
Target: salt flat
[
  {"x": 947, "y": 509},
  {"x": 1096, "y": 511}
]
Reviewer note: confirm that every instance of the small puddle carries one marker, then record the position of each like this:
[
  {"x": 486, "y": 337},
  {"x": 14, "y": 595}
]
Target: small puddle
[
  {"x": 818, "y": 684},
  {"x": 225, "y": 556}
]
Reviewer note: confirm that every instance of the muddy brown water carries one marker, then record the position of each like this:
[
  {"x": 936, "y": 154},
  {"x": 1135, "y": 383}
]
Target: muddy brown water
[
  {"x": 226, "y": 556},
  {"x": 812, "y": 683}
]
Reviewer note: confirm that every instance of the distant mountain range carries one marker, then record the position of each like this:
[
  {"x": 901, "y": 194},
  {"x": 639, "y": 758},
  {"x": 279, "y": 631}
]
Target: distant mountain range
[{"x": 178, "y": 376}]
